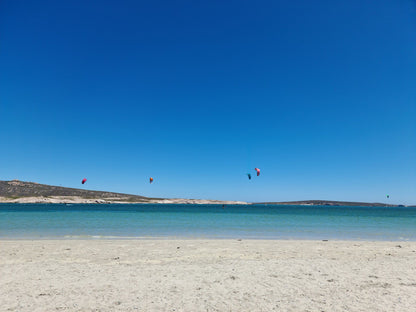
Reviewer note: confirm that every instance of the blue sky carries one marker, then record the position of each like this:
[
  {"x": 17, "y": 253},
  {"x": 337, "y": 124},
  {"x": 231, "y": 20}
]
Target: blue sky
[{"x": 318, "y": 94}]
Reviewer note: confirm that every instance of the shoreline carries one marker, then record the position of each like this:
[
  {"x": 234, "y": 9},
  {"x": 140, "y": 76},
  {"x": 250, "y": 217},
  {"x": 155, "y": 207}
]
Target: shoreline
[
  {"x": 179, "y": 201},
  {"x": 211, "y": 240},
  {"x": 96, "y": 238},
  {"x": 207, "y": 275}
]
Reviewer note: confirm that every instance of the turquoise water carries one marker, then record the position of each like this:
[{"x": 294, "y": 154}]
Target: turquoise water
[{"x": 36, "y": 221}]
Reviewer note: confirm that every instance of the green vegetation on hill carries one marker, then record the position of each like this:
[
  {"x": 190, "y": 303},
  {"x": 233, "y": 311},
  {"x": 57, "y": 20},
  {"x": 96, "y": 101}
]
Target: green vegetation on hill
[{"x": 18, "y": 189}]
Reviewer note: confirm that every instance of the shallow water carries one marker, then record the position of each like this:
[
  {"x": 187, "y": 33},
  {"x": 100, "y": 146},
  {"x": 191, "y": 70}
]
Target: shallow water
[{"x": 41, "y": 221}]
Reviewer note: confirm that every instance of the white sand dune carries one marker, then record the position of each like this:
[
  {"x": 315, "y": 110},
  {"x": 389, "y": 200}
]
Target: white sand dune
[
  {"x": 207, "y": 275},
  {"x": 113, "y": 200}
]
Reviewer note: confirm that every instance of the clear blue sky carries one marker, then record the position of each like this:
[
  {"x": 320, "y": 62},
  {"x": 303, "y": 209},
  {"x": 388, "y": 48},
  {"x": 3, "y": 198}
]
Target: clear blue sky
[{"x": 321, "y": 95}]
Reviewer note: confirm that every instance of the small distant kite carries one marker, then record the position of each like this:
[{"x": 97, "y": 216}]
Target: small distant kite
[
  {"x": 388, "y": 196},
  {"x": 258, "y": 171},
  {"x": 83, "y": 181},
  {"x": 150, "y": 180},
  {"x": 249, "y": 176}
]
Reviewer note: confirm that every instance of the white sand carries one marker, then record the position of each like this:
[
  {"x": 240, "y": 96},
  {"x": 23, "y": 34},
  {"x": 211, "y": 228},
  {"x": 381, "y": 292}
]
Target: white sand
[
  {"x": 113, "y": 200},
  {"x": 207, "y": 275}
]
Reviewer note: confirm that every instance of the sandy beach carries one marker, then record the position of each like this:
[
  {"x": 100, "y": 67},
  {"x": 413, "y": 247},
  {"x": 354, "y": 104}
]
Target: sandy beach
[{"x": 207, "y": 275}]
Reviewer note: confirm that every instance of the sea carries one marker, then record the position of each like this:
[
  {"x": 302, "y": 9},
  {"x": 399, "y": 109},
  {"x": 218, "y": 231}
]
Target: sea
[{"x": 167, "y": 221}]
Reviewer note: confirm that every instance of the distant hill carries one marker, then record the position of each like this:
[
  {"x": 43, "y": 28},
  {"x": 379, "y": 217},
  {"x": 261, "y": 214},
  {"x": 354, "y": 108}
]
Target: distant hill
[
  {"x": 328, "y": 203},
  {"x": 18, "y": 189}
]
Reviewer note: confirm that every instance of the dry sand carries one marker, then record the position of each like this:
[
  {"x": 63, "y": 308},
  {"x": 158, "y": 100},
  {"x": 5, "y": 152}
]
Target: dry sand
[{"x": 207, "y": 275}]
